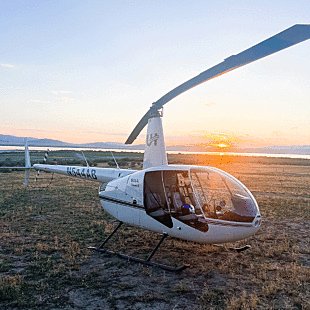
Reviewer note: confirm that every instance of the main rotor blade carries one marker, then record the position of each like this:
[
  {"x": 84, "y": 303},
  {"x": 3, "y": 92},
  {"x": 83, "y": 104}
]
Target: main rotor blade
[
  {"x": 280, "y": 41},
  {"x": 139, "y": 127}
]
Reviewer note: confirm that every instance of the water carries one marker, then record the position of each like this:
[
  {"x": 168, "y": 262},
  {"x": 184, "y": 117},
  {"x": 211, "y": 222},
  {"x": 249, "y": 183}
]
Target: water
[
  {"x": 245, "y": 154},
  {"x": 41, "y": 148},
  {"x": 10, "y": 148}
]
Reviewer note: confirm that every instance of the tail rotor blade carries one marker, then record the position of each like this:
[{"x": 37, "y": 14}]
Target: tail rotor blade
[
  {"x": 44, "y": 161},
  {"x": 38, "y": 173},
  {"x": 45, "y": 156}
]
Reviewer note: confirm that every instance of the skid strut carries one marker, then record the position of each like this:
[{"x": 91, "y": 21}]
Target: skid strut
[
  {"x": 112, "y": 233},
  {"x": 138, "y": 260}
]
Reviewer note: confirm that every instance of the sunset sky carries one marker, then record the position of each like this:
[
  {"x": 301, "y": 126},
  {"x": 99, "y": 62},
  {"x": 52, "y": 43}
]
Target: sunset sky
[{"x": 87, "y": 71}]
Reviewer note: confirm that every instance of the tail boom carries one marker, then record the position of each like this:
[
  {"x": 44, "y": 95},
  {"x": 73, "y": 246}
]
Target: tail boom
[{"x": 101, "y": 175}]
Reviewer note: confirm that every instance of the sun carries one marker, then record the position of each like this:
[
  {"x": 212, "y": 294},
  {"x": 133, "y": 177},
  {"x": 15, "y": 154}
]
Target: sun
[{"x": 222, "y": 145}]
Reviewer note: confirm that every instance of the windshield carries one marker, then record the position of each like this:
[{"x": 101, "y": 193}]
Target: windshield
[{"x": 222, "y": 197}]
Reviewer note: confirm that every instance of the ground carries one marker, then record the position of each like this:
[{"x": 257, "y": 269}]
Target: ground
[{"x": 45, "y": 263}]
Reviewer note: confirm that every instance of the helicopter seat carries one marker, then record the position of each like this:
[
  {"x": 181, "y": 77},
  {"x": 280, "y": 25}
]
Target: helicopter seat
[
  {"x": 178, "y": 202},
  {"x": 182, "y": 209},
  {"x": 188, "y": 217},
  {"x": 154, "y": 204},
  {"x": 153, "y": 201}
]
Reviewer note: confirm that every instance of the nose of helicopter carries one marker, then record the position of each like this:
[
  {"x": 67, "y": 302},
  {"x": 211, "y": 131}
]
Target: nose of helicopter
[
  {"x": 257, "y": 221},
  {"x": 221, "y": 233}
]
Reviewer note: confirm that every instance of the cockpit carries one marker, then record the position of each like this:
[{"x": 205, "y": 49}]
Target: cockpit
[{"x": 197, "y": 195}]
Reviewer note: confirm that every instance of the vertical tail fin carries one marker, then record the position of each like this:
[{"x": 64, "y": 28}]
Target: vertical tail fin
[
  {"x": 155, "y": 149},
  {"x": 27, "y": 174}
]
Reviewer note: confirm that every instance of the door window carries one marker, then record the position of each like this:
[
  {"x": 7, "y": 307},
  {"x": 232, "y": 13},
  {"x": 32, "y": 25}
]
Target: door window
[{"x": 154, "y": 198}]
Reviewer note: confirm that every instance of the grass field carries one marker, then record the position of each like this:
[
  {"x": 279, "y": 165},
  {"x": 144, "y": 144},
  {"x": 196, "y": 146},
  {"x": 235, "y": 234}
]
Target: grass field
[{"x": 45, "y": 232}]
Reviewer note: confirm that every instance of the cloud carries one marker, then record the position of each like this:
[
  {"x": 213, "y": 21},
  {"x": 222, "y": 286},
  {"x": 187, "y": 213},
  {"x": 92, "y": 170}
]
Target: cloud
[
  {"x": 210, "y": 104},
  {"x": 7, "y": 65},
  {"x": 105, "y": 133},
  {"x": 58, "y": 92},
  {"x": 33, "y": 130},
  {"x": 277, "y": 133},
  {"x": 62, "y": 92},
  {"x": 40, "y": 101},
  {"x": 65, "y": 99}
]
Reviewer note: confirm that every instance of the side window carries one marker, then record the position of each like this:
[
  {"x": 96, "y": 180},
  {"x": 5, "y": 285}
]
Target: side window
[
  {"x": 222, "y": 197},
  {"x": 154, "y": 198}
]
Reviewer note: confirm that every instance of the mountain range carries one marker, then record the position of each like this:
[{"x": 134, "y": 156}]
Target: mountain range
[{"x": 8, "y": 140}]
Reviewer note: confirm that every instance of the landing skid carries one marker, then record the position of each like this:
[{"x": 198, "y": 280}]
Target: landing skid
[
  {"x": 241, "y": 249},
  {"x": 138, "y": 260}
]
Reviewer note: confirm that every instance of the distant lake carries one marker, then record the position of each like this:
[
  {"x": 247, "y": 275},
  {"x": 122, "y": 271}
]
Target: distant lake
[
  {"x": 43, "y": 148},
  {"x": 10, "y": 148}
]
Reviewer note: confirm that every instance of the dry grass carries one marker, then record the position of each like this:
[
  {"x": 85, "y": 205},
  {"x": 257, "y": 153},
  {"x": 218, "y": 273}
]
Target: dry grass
[{"x": 44, "y": 261}]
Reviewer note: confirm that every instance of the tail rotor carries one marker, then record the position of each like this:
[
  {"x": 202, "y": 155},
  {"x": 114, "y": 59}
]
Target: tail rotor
[
  {"x": 44, "y": 161},
  {"x": 38, "y": 173}
]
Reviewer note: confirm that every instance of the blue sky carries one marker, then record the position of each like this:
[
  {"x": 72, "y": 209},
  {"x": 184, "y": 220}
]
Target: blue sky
[{"x": 87, "y": 71}]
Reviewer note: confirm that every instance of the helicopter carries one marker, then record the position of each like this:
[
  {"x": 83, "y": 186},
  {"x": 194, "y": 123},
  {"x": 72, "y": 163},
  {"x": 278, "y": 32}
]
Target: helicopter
[{"x": 195, "y": 203}]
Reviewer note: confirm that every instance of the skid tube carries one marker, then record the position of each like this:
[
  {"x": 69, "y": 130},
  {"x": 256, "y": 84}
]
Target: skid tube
[
  {"x": 238, "y": 250},
  {"x": 135, "y": 259}
]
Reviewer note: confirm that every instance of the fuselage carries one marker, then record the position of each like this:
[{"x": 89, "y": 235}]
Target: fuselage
[{"x": 200, "y": 204}]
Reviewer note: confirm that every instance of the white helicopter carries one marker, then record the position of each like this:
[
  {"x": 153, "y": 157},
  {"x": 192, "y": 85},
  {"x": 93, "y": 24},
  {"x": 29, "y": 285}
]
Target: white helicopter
[{"x": 200, "y": 204}]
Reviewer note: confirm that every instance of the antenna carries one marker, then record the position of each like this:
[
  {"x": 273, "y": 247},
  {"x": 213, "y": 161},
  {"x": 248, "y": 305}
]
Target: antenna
[
  {"x": 85, "y": 160},
  {"x": 115, "y": 160}
]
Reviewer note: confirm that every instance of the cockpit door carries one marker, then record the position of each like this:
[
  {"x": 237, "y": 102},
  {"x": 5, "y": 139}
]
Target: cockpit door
[{"x": 154, "y": 198}]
